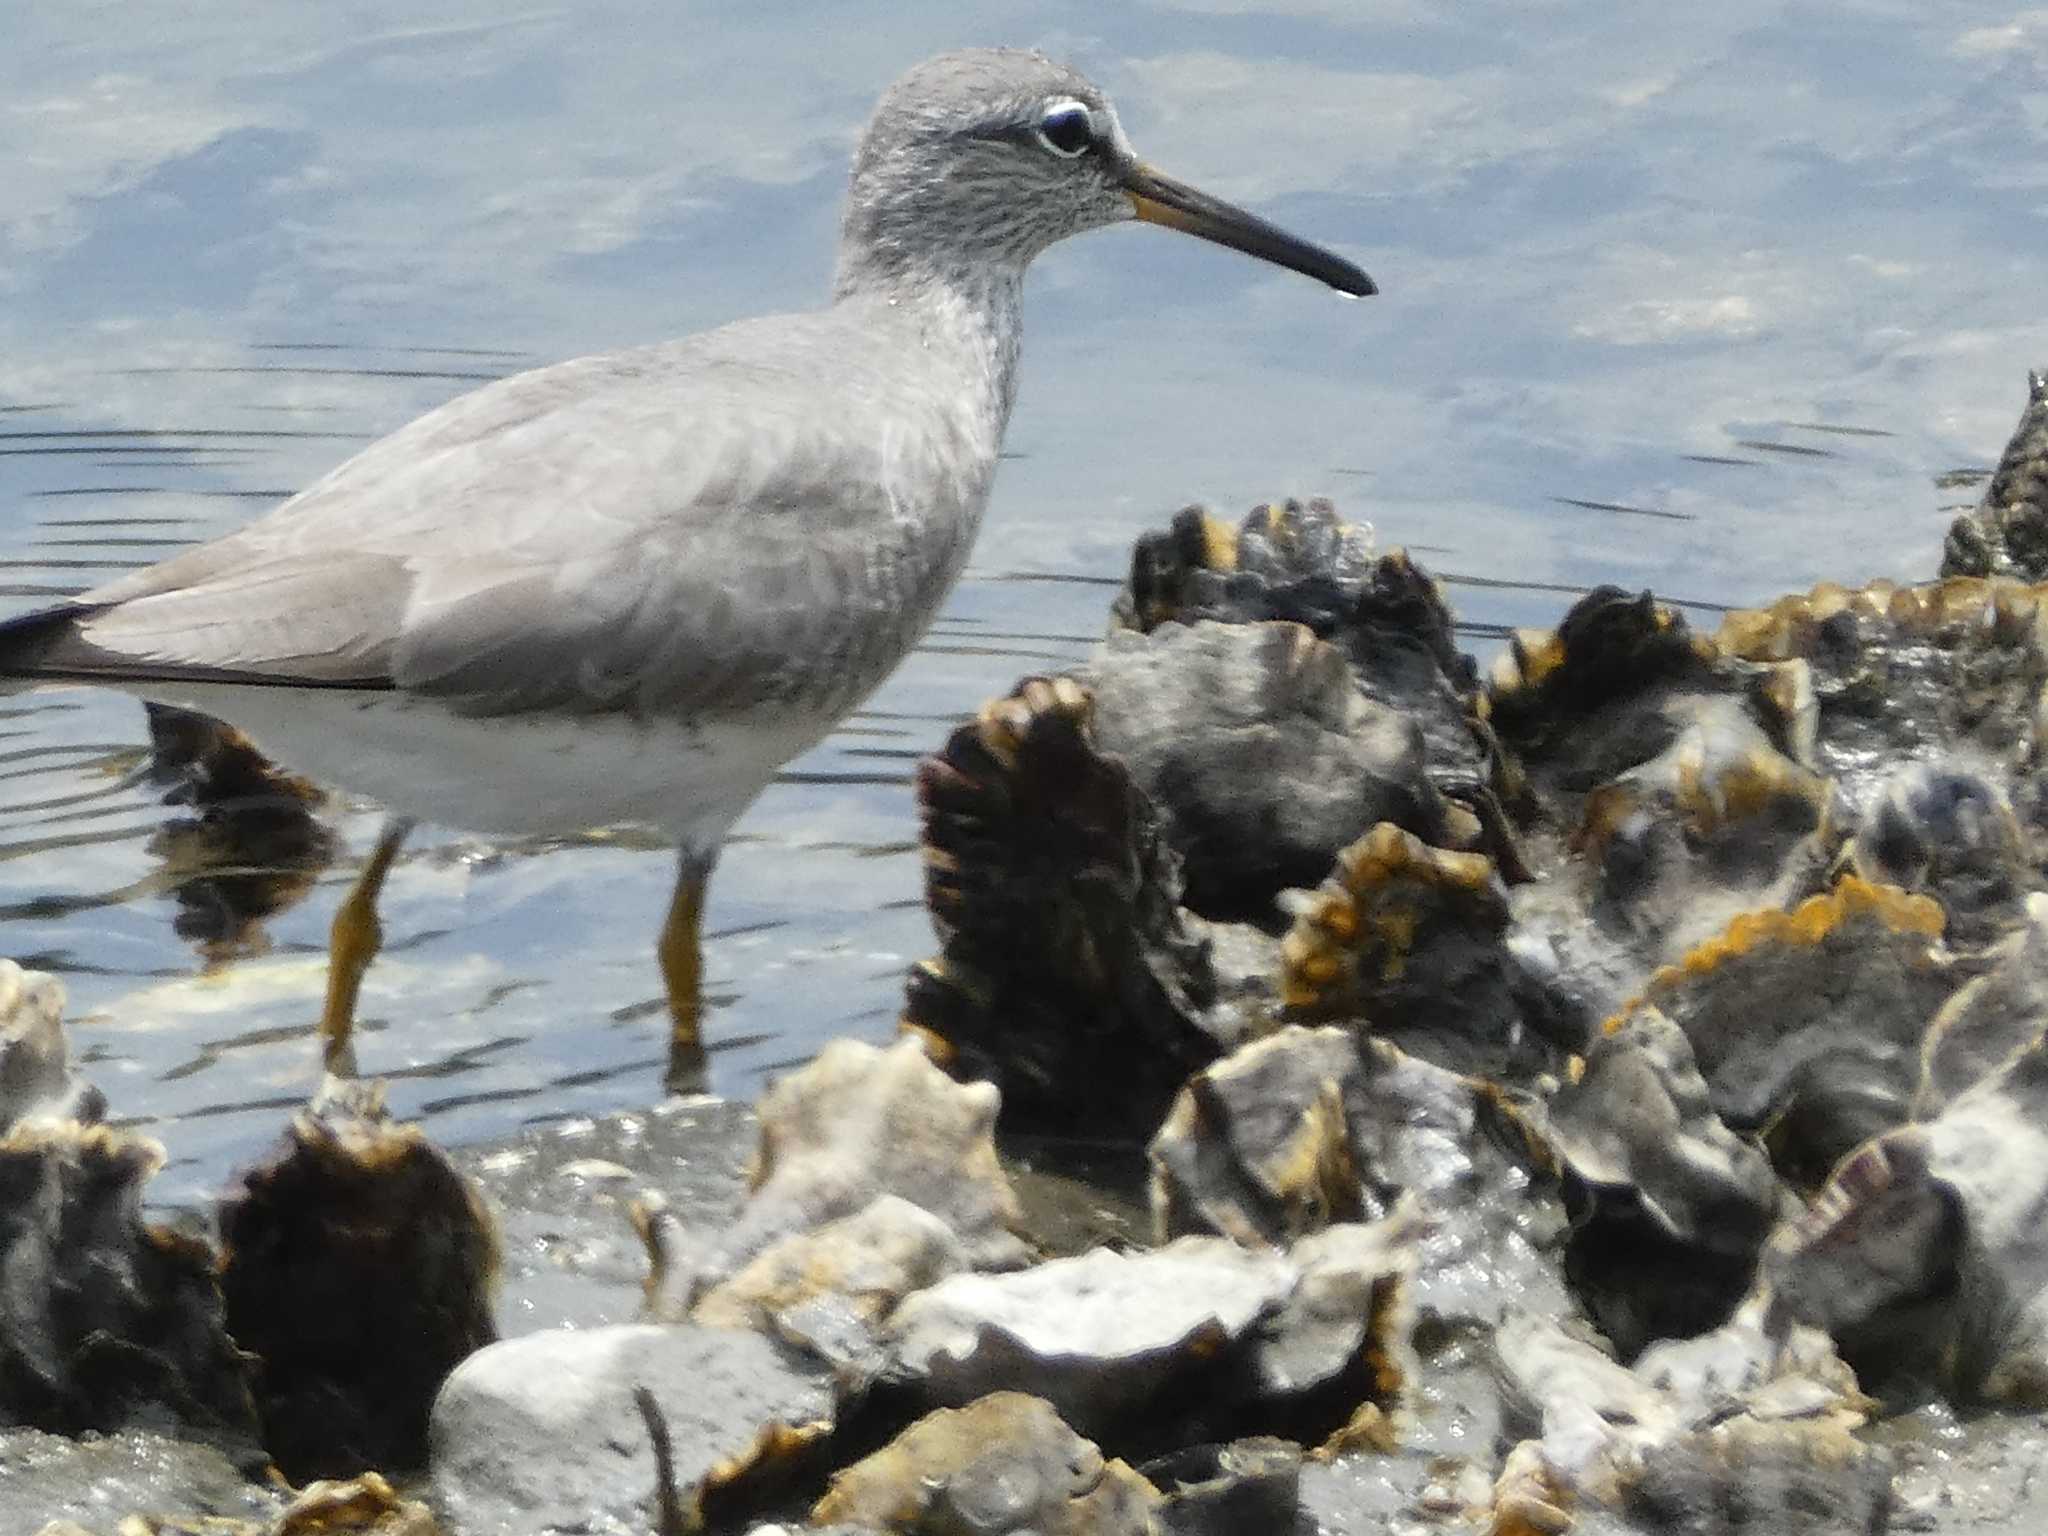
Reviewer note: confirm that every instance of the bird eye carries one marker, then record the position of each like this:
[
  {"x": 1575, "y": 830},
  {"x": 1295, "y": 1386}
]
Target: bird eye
[{"x": 1067, "y": 129}]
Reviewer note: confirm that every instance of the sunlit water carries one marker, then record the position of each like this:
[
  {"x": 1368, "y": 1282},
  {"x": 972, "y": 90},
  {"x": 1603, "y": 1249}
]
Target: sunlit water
[{"x": 1720, "y": 300}]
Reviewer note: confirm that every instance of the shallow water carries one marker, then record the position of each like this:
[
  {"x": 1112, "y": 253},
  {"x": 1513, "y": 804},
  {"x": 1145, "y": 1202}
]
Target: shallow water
[{"x": 1718, "y": 303}]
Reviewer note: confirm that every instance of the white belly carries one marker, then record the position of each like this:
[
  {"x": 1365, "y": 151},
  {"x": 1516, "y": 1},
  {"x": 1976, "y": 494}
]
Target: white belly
[{"x": 547, "y": 775}]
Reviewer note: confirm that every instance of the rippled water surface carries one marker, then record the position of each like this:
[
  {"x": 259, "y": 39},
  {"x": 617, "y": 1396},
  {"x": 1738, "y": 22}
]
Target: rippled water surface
[{"x": 1720, "y": 300}]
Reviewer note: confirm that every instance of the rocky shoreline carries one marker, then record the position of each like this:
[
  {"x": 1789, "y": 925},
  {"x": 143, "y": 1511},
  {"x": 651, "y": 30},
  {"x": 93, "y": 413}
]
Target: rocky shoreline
[{"x": 1352, "y": 1094}]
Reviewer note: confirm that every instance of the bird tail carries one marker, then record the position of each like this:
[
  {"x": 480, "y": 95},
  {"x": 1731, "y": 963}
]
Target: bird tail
[{"x": 27, "y": 641}]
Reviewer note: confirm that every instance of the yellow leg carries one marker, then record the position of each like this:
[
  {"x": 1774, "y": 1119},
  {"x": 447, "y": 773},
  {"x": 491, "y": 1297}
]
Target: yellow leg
[
  {"x": 352, "y": 944},
  {"x": 681, "y": 953}
]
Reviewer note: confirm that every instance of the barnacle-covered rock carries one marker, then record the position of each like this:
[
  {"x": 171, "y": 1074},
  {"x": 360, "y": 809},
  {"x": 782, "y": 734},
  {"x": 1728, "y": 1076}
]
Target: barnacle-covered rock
[
  {"x": 36, "y": 1077},
  {"x": 2007, "y": 533},
  {"x": 1903, "y": 674},
  {"x": 860, "y": 1122},
  {"x": 1669, "y": 1209},
  {"x": 1413, "y": 941},
  {"x": 1718, "y": 823},
  {"x": 1004, "y": 1463},
  {"x": 1807, "y": 1025},
  {"x": 1310, "y": 1127},
  {"x": 1728, "y": 1433},
  {"x": 1948, "y": 829},
  {"x": 1300, "y": 563},
  {"x": 828, "y": 1289},
  {"x": 1201, "y": 1339},
  {"x": 1610, "y": 687},
  {"x": 1923, "y": 1257},
  {"x": 359, "y": 1267},
  {"x": 1260, "y": 1147},
  {"x": 1261, "y": 752},
  {"x": 544, "y": 1433},
  {"x": 1069, "y": 976},
  {"x": 107, "y": 1321}
]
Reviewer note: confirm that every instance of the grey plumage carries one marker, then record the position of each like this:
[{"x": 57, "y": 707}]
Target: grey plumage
[{"x": 732, "y": 537}]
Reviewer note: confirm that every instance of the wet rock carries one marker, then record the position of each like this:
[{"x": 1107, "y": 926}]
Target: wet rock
[
  {"x": 36, "y": 1077},
  {"x": 46, "y": 1477},
  {"x": 860, "y": 1122},
  {"x": 1923, "y": 1257},
  {"x": 1313, "y": 1126},
  {"x": 1222, "y": 1490},
  {"x": 828, "y": 1290},
  {"x": 1069, "y": 976},
  {"x": 1262, "y": 753},
  {"x": 1263, "y": 1146},
  {"x": 1807, "y": 1025},
  {"x": 1300, "y": 563},
  {"x": 1726, "y": 1433},
  {"x": 1004, "y": 1463},
  {"x": 1990, "y": 1019},
  {"x": 1901, "y": 674},
  {"x": 2007, "y": 533},
  {"x": 359, "y": 1267},
  {"x": 542, "y": 1433},
  {"x": 1718, "y": 823},
  {"x": 1200, "y": 1339},
  {"x": 1669, "y": 1209},
  {"x": 1612, "y": 686},
  {"x": 1412, "y": 941},
  {"x": 107, "y": 1321}
]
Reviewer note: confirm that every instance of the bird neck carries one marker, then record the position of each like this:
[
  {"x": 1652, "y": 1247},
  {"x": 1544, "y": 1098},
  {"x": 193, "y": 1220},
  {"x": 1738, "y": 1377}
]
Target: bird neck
[{"x": 970, "y": 312}]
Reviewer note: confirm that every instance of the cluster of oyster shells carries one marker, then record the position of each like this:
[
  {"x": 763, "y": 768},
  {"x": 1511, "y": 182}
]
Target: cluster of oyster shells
[{"x": 1603, "y": 1092}]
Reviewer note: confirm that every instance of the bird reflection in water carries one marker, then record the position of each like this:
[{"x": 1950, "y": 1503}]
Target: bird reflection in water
[{"x": 248, "y": 845}]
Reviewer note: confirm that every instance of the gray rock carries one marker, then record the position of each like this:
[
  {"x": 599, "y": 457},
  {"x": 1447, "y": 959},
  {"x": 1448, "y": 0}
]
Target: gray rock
[{"x": 540, "y": 1435}]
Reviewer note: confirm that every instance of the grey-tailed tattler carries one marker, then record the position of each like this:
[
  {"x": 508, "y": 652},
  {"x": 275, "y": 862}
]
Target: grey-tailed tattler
[{"x": 630, "y": 587}]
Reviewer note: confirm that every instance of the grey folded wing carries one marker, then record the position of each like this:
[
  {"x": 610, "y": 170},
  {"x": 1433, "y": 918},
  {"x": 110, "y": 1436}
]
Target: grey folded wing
[{"x": 719, "y": 622}]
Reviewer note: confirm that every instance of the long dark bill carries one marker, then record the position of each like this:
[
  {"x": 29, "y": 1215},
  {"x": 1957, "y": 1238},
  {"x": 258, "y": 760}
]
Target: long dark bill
[{"x": 1160, "y": 199}]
